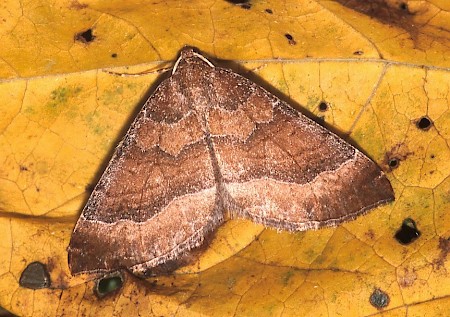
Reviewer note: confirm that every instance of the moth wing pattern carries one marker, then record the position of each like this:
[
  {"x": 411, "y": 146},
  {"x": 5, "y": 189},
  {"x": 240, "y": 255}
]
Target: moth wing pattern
[
  {"x": 207, "y": 143},
  {"x": 157, "y": 198},
  {"x": 286, "y": 171}
]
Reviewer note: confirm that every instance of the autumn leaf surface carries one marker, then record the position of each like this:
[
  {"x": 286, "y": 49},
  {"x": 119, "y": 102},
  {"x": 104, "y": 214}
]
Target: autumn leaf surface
[{"x": 377, "y": 73}]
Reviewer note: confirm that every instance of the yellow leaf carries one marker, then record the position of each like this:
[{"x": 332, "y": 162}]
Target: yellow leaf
[{"x": 382, "y": 73}]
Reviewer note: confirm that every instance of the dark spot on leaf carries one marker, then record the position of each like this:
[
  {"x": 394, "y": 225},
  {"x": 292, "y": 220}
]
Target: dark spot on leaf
[
  {"x": 23, "y": 168},
  {"x": 379, "y": 299},
  {"x": 35, "y": 276},
  {"x": 370, "y": 234},
  {"x": 269, "y": 11},
  {"x": 108, "y": 284},
  {"x": 393, "y": 163},
  {"x": 323, "y": 106},
  {"x": 290, "y": 39},
  {"x": 424, "y": 123},
  {"x": 358, "y": 52},
  {"x": 403, "y": 6},
  {"x": 114, "y": 55},
  {"x": 244, "y": 4},
  {"x": 237, "y": 1},
  {"x": 408, "y": 232},
  {"x": 85, "y": 36}
]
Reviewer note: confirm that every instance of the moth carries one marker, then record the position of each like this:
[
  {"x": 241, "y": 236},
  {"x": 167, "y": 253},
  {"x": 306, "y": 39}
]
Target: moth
[{"x": 209, "y": 145}]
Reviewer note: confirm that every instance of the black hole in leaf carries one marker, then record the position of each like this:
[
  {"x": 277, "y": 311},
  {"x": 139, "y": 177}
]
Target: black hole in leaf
[
  {"x": 432, "y": 156},
  {"x": 408, "y": 232},
  {"x": 379, "y": 299},
  {"x": 269, "y": 11},
  {"x": 358, "y": 53},
  {"x": 394, "y": 163},
  {"x": 404, "y": 6},
  {"x": 85, "y": 36},
  {"x": 114, "y": 55},
  {"x": 108, "y": 285},
  {"x": 424, "y": 123},
  {"x": 323, "y": 106}
]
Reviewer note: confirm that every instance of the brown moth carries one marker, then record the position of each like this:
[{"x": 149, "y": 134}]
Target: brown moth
[{"x": 209, "y": 145}]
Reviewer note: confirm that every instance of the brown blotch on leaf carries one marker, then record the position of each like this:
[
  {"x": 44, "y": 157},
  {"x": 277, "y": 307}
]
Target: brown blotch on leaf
[
  {"x": 85, "y": 37},
  {"x": 424, "y": 123},
  {"x": 269, "y": 11},
  {"x": 407, "y": 277},
  {"x": 35, "y": 276},
  {"x": 444, "y": 246},
  {"x": 358, "y": 52},
  {"x": 23, "y": 168},
  {"x": 397, "y": 154},
  {"x": 290, "y": 39},
  {"x": 114, "y": 55},
  {"x": 387, "y": 12},
  {"x": 408, "y": 232},
  {"x": 379, "y": 299},
  {"x": 61, "y": 279},
  {"x": 77, "y": 5}
]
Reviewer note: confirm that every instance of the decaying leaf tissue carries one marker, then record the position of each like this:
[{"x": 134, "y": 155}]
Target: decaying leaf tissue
[{"x": 210, "y": 143}]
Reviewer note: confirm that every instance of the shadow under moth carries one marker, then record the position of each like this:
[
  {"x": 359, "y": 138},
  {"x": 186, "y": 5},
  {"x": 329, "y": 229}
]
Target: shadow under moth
[{"x": 209, "y": 145}]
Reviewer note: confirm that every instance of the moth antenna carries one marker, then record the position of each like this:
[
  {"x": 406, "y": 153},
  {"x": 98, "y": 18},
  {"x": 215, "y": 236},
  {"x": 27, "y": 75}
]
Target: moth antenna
[
  {"x": 192, "y": 53},
  {"x": 144, "y": 72},
  {"x": 203, "y": 58},
  {"x": 175, "y": 66}
]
